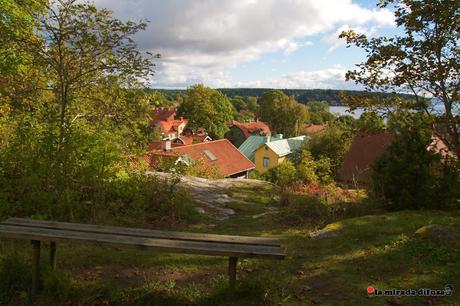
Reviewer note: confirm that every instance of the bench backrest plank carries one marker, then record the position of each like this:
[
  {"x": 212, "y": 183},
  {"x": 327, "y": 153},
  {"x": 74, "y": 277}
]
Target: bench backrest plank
[
  {"x": 167, "y": 245},
  {"x": 137, "y": 232}
]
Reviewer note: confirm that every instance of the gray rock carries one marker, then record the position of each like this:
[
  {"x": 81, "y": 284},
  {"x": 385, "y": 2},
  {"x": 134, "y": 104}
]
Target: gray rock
[
  {"x": 200, "y": 210},
  {"x": 323, "y": 233},
  {"x": 436, "y": 233}
]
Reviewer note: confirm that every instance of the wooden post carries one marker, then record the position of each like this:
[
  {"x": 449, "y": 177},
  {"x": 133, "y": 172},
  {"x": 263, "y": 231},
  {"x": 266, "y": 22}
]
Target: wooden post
[
  {"x": 35, "y": 267},
  {"x": 53, "y": 255},
  {"x": 232, "y": 261}
]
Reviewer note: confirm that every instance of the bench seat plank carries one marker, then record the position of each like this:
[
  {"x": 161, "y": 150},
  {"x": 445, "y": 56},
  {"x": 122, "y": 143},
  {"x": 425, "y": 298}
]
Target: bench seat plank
[
  {"x": 136, "y": 232},
  {"x": 165, "y": 245}
]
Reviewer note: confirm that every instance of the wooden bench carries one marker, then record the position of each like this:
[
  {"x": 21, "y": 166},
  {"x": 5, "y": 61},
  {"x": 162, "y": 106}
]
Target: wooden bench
[{"x": 233, "y": 247}]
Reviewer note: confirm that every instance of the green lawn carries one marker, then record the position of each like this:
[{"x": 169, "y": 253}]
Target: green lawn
[{"x": 378, "y": 250}]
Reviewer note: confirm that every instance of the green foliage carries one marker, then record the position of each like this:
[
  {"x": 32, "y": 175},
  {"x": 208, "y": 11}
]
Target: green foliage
[
  {"x": 422, "y": 59},
  {"x": 14, "y": 277},
  {"x": 251, "y": 103},
  {"x": 283, "y": 175},
  {"x": 319, "y": 112},
  {"x": 409, "y": 176},
  {"x": 333, "y": 144},
  {"x": 370, "y": 122},
  {"x": 282, "y": 113},
  {"x": 245, "y": 116},
  {"x": 238, "y": 103},
  {"x": 300, "y": 209},
  {"x": 207, "y": 108},
  {"x": 56, "y": 284},
  {"x": 306, "y": 167},
  {"x": 323, "y": 170}
]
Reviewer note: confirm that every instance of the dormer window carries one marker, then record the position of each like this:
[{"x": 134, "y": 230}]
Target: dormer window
[{"x": 210, "y": 155}]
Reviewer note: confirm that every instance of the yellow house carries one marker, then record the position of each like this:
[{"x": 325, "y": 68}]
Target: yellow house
[{"x": 273, "y": 153}]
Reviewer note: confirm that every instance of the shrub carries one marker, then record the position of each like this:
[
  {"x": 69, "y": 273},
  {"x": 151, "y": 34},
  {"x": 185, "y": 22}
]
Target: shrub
[
  {"x": 306, "y": 167},
  {"x": 283, "y": 175},
  {"x": 308, "y": 208},
  {"x": 409, "y": 176}
]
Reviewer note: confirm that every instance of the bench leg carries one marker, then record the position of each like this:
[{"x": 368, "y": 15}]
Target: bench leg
[
  {"x": 35, "y": 267},
  {"x": 232, "y": 261},
  {"x": 53, "y": 255}
]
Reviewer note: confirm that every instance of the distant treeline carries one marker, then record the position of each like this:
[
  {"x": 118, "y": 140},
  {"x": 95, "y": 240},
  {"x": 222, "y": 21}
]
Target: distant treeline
[{"x": 331, "y": 96}]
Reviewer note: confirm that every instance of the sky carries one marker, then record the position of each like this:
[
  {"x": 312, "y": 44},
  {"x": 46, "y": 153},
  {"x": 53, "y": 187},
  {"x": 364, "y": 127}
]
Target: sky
[{"x": 253, "y": 43}]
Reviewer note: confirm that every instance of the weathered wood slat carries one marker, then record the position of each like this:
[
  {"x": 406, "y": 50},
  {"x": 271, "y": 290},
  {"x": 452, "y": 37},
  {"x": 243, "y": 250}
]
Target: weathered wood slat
[
  {"x": 136, "y": 232},
  {"x": 165, "y": 245}
]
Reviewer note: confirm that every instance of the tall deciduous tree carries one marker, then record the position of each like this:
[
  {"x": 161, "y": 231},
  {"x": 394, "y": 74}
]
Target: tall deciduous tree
[
  {"x": 282, "y": 113},
  {"x": 423, "y": 61},
  {"x": 85, "y": 60},
  {"x": 207, "y": 108}
]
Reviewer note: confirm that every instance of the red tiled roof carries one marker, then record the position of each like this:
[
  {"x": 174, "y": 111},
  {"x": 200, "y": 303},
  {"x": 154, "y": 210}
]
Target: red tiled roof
[
  {"x": 161, "y": 113},
  {"x": 158, "y": 145},
  {"x": 313, "y": 128},
  {"x": 227, "y": 157},
  {"x": 364, "y": 150},
  {"x": 188, "y": 140},
  {"x": 172, "y": 125},
  {"x": 256, "y": 127}
]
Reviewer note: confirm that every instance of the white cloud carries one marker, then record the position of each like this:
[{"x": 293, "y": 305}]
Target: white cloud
[
  {"x": 333, "y": 77},
  {"x": 334, "y": 40},
  {"x": 202, "y": 40}
]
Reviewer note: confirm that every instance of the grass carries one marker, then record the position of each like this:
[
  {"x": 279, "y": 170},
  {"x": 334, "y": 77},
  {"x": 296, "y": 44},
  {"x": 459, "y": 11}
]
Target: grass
[{"x": 379, "y": 250}]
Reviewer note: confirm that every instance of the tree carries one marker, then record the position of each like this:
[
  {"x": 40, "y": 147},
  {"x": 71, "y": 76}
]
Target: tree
[
  {"x": 251, "y": 103},
  {"x": 319, "y": 112},
  {"x": 238, "y": 103},
  {"x": 282, "y": 113},
  {"x": 370, "y": 122},
  {"x": 317, "y": 106},
  {"x": 409, "y": 176},
  {"x": 333, "y": 144},
  {"x": 423, "y": 61},
  {"x": 82, "y": 61},
  {"x": 207, "y": 108}
]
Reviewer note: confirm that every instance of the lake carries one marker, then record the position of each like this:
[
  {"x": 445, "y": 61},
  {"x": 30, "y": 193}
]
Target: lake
[{"x": 343, "y": 110}]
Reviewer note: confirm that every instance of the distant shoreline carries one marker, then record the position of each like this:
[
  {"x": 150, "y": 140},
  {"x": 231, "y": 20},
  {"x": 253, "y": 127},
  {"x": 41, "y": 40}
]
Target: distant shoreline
[{"x": 331, "y": 96}]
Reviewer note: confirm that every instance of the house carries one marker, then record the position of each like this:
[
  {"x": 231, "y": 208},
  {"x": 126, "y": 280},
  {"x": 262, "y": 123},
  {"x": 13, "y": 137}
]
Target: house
[
  {"x": 364, "y": 150},
  {"x": 217, "y": 154},
  {"x": 191, "y": 139},
  {"x": 165, "y": 123},
  {"x": 273, "y": 153},
  {"x": 250, "y": 145},
  {"x": 313, "y": 128},
  {"x": 239, "y": 131}
]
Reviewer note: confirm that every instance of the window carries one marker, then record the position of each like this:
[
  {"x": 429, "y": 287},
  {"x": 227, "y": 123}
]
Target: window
[
  {"x": 266, "y": 162},
  {"x": 210, "y": 155}
]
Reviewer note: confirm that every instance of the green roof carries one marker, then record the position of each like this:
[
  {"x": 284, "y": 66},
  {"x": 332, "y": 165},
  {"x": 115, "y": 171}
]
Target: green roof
[
  {"x": 284, "y": 147},
  {"x": 253, "y": 142}
]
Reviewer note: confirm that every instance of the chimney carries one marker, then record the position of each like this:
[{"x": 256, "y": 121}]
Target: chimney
[{"x": 166, "y": 144}]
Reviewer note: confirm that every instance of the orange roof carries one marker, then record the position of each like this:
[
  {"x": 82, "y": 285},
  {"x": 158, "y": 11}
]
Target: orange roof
[
  {"x": 172, "y": 125},
  {"x": 219, "y": 153},
  {"x": 364, "y": 150},
  {"x": 188, "y": 140},
  {"x": 161, "y": 113},
  {"x": 256, "y": 127},
  {"x": 313, "y": 128}
]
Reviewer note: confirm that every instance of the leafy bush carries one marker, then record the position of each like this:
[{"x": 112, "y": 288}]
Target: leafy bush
[
  {"x": 409, "y": 176},
  {"x": 298, "y": 209},
  {"x": 283, "y": 175}
]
